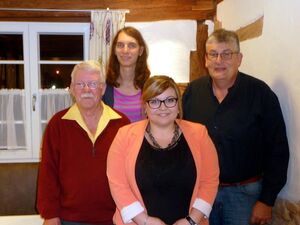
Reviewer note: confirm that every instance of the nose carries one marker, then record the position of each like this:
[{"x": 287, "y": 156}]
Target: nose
[
  {"x": 163, "y": 106},
  {"x": 125, "y": 48},
  {"x": 219, "y": 58}
]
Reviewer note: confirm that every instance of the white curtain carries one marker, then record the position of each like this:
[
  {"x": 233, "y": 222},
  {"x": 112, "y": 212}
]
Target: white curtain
[
  {"x": 104, "y": 26},
  {"x": 52, "y": 101},
  {"x": 13, "y": 117}
]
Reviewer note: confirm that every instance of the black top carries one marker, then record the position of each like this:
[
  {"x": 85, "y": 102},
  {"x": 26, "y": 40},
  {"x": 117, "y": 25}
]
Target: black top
[
  {"x": 166, "y": 179},
  {"x": 247, "y": 128}
]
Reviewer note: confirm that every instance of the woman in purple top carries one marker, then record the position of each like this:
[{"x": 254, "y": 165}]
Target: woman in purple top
[{"x": 127, "y": 72}]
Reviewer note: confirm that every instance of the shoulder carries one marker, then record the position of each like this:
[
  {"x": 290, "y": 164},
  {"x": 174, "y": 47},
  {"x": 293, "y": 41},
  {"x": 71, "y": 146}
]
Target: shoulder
[
  {"x": 134, "y": 128},
  {"x": 247, "y": 79},
  {"x": 190, "y": 127},
  {"x": 255, "y": 86},
  {"x": 58, "y": 116},
  {"x": 203, "y": 80}
]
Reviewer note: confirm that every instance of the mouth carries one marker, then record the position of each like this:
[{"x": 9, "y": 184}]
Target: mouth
[
  {"x": 220, "y": 69},
  {"x": 86, "y": 96}
]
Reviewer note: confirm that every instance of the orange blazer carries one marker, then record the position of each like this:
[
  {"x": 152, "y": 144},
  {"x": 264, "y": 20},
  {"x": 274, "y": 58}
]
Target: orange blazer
[{"x": 121, "y": 169}]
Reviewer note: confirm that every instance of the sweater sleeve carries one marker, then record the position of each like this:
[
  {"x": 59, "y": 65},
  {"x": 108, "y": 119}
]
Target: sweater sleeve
[{"x": 48, "y": 184}]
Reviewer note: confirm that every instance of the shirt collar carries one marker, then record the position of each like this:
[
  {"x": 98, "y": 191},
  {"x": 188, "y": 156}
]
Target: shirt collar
[{"x": 108, "y": 114}]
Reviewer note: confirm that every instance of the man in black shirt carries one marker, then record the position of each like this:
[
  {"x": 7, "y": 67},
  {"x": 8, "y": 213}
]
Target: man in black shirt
[{"x": 245, "y": 122}]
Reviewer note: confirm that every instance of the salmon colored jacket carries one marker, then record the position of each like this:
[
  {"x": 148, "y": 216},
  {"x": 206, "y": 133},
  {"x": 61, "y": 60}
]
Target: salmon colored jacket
[{"x": 121, "y": 169}]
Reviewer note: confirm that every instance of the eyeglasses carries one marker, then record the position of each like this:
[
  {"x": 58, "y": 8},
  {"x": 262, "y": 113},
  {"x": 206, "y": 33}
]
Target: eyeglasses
[
  {"x": 227, "y": 55},
  {"x": 91, "y": 85},
  {"x": 169, "y": 102}
]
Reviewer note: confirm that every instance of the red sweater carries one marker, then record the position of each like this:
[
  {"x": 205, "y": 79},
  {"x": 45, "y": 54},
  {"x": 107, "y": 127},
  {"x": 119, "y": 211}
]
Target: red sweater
[{"x": 72, "y": 183}]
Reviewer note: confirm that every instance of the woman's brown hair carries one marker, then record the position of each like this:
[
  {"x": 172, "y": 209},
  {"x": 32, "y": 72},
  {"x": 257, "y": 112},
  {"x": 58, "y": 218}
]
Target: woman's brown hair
[{"x": 142, "y": 71}]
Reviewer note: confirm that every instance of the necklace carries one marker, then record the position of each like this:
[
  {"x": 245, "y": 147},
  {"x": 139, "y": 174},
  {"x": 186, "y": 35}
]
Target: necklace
[{"x": 173, "y": 141}]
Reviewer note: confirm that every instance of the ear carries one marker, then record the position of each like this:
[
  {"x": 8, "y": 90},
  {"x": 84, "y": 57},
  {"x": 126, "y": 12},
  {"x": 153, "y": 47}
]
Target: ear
[
  {"x": 206, "y": 61},
  {"x": 240, "y": 57},
  {"x": 141, "y": 51},
  {"x": 71, "y": 89},
  {"x": 103, "y": 88}
]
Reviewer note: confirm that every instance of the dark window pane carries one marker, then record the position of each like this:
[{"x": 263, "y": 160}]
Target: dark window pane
[
  {"x": 11, "y": 46},
  {"x": 57, "y": 75},
  {"x": 11, "y": 76},
  {"x": 61, "y": 47}
]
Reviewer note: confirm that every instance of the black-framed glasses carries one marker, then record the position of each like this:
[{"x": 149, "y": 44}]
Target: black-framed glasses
[
  {"x": 226, "y": 55},
  {"x": 169, "y": 102},
  {"x": 91, "y": 85}
]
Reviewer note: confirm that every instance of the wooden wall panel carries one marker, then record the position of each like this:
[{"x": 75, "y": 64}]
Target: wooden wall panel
[
  {"x": 140, "y": 10},
  {"x": 197, "y": 63}
]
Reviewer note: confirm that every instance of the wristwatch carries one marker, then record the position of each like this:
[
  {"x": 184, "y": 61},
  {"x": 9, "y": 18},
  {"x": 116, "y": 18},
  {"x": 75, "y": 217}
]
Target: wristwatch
[{"x": 190, "y": 220}]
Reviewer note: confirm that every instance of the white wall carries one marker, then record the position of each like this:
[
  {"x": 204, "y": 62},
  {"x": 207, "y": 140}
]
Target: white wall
[
  {"x": 169, "y": 43},
  {"x": 275, "y": 58}
]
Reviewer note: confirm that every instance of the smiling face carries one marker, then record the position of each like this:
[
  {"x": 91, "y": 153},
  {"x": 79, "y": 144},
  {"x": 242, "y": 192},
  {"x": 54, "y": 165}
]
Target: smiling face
[
  {"x": 87, "y": 89},
  {"x": 163, "y": 116},
  {"x": 223, "y": 69},
  {"x": 127, "y": 50}
]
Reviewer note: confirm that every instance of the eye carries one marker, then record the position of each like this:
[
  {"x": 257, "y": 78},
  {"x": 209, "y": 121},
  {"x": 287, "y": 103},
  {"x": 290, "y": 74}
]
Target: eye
[
  {"x": 153, "y": 101},
  {"x": 226, "y": 54},
  {"x": 120, "y": 45},
  {"x": 171, "y": 100},
  {"x": 132, "y": 45},
  {"x": 93, "y": 84},
  {"x": 213, "y": 54}
]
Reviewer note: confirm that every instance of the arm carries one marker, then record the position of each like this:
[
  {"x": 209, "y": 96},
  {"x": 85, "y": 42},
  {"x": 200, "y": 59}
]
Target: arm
[
  {"x": 120, "y": 172},
  {"x": 276, "y": 158},
  {"x": 276, "y": 155},
  {"x": 53, "y": 221},
  {"x": 48, "y": 184},
  {"x": 208, "y": 174}
]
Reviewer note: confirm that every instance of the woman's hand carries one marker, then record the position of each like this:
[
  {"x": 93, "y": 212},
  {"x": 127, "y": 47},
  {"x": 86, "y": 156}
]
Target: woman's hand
[
  {"x": 154, "y": 221},
  {"x": 182, "y": 221}
]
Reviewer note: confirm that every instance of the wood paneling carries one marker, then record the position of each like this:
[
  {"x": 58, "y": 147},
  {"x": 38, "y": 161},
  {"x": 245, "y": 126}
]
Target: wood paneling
[
  {"x": 197, "y": 63},
  {"x": 140, "y": 10}
]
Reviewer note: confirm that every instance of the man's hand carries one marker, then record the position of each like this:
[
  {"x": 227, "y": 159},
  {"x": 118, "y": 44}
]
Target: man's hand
[
  {"x": 261, "y": 213},
  {"x": 53, "y": 221}
]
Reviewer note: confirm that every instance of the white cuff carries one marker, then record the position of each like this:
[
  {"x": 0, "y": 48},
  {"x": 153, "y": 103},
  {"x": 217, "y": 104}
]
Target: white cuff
[
  {"x": 131, "y": 211},
  {"x": 202, "y": 206}
]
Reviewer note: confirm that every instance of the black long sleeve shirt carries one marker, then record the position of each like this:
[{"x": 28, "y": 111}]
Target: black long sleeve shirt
[{"x": 247, "y": 128}]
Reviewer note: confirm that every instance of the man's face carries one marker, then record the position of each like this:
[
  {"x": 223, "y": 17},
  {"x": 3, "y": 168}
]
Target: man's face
[
  {"x": 87, "y": 89},
  {"x": 222, "y": 61}
]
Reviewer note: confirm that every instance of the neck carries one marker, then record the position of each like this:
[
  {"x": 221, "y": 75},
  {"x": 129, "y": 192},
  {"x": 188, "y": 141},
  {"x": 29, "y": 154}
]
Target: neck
[
  {"x": 91, "y": 117},
  {"x": 127, "y": 73},
  {"x": 163, "y": 137},
  {"x": 220, "y": 88}
]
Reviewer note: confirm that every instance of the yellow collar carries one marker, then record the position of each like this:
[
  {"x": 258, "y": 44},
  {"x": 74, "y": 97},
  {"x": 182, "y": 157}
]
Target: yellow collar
[{"x": 108, "y": 114}]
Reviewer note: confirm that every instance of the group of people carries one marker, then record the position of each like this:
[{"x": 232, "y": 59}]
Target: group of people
[{"x": 132, "y": 150}]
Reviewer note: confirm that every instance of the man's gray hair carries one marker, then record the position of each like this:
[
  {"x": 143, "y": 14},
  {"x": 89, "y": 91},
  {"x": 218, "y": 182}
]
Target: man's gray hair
[
  {"x": 90, "y": 66},
  {"x": 224, "y": 36}
]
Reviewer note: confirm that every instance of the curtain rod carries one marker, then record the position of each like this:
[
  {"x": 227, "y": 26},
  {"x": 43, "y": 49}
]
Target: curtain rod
[{"x": 64, "y": 10}]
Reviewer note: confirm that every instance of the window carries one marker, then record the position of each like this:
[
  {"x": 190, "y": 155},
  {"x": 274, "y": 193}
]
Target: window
[{"x": 36, "y": 60}]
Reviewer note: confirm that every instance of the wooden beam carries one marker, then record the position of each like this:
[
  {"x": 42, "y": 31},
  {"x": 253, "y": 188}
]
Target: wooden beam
[{"x": 140, "y": 10}]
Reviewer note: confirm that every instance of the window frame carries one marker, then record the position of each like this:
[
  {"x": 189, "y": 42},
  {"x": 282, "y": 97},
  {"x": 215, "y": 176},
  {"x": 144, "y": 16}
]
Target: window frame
[{"x": 31, "y": 62}]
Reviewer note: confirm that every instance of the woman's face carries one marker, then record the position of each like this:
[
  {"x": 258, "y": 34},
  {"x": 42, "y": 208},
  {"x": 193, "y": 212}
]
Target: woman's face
[
  {"x": 162, "y": 110},
  {"x": 127, "y": 50}
]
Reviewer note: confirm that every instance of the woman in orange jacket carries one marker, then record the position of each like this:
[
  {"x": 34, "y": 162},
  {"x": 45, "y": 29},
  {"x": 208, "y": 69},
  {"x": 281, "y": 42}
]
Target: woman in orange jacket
[{"x": 162, "y": 170}]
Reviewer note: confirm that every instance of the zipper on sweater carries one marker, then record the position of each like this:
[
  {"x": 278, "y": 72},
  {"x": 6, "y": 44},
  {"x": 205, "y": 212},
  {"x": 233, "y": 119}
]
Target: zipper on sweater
[{"x": 93, "y": 150}]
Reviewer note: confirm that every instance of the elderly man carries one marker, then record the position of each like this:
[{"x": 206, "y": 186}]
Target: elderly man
[
  {"x": 72, "y": 183},
  {"x": 245, "y": 122}
]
